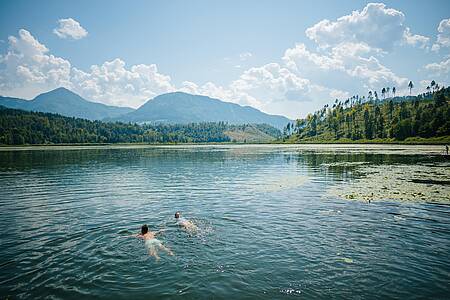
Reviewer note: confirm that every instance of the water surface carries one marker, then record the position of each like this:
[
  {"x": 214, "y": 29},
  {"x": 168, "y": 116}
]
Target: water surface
[{"x": 275, "y": 222}]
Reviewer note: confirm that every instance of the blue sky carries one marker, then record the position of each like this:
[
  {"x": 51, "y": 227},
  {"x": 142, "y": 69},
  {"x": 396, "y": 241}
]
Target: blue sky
[{"x": 279, "y": 56}]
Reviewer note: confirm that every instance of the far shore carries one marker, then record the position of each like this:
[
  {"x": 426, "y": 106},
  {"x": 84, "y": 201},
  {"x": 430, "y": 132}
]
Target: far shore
[
  {"x": 438, "y": 141},
  {"x": 434, "y": 149}
]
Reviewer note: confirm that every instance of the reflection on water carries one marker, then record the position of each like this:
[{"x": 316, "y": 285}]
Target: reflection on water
[{"x": 270, "y": 224}]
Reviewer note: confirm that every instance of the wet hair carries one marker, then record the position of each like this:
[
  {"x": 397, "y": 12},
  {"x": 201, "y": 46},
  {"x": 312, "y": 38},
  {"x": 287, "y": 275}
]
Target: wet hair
[
  {"x": 177, "y": 215},
  {"x": 144, "y": 229}
]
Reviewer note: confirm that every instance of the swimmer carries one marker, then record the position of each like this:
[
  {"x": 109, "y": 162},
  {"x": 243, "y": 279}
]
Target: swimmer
[
  {"x": 151, "y": 242},
  {"x": 186, "y": 224}
]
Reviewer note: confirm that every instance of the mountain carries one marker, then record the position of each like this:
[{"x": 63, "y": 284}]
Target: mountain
[
  {"x": 183, "y": 108},
  {"x": 67, "y": 103},
  {"x": 14, "y": 103}
]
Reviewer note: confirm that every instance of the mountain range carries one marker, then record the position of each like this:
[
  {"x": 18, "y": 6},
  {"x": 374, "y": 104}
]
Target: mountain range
[
  {"x": 66, "y": 103},
  {"x": 177, "y": 107}
]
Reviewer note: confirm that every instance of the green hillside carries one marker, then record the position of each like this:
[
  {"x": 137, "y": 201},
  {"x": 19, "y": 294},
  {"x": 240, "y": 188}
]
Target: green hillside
[
  {"x": 418, "y": 118},
  {"x": 18, "y": 127}
]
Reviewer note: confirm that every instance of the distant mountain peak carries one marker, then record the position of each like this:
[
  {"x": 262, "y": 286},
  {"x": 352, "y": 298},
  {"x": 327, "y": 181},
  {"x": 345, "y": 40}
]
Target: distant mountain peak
[
  {"x": 61, "y": 91},
  {"x": 180, "y": 107},
  {"x": 67, "y": 103}
]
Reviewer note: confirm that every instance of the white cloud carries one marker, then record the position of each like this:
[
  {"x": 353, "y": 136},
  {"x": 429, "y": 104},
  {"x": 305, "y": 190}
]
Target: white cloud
[
  {"x": 300, "y": 58},
  {"x": 443, "y": 37},
  {"x": 444, "y": 33},
  {"x": 376, "y": 25},
  {"x": 347, "y": 64},
  {"x": 440, "y": 68},
  {"x": 114, "y": 84},
  {"x": 435, "y": 47},
  {"x": 273, "y": 84},
  {"x": 245, "y": 56},
  {"x": 28, "y": 68},
  {"x": 415, "y": 39},
  {"x": 69, "y": 28},
  {"x": 270, "y": 81}
]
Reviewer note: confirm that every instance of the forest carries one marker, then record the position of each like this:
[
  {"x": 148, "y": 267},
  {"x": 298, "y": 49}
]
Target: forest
[
  {"x": 370, "y": 119},
  {"x": 19, "y": 127}
]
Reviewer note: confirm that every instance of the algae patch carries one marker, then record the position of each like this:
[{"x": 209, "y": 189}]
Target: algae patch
[
  {"x": 344, "y": 164},
  {"x": 410, "y": 183}
]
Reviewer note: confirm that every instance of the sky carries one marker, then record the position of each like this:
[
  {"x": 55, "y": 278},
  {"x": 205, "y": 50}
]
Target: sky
[{"x": 282, "y": 57}]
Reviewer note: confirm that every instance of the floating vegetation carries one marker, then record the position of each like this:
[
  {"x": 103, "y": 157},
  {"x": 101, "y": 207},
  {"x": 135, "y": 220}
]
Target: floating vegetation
[
  {"x": 414, "y": 183},
  {"x": 344, "y": 164}
]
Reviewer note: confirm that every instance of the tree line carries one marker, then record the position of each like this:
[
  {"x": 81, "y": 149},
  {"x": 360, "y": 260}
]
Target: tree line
[
  {"x": 367, "y": 118},
  {"x": 19, "y": 127}
]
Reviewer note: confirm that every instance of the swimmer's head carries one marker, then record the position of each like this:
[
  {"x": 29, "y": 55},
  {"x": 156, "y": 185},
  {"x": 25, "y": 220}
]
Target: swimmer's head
[
  {"x": 144, "y": 229},
  {"x": 177, "y": 215}
]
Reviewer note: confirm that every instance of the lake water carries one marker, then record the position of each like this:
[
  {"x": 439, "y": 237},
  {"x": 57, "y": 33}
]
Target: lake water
[{"x": 274, "y": 222}]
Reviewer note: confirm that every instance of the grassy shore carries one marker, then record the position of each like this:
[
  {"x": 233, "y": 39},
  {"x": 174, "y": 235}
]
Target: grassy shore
[{"x": 442, "y": 140}]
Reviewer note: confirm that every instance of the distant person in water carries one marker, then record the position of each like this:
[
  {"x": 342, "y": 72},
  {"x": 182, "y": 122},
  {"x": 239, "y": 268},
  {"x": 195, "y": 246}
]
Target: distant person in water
[
  {"x": 184, "y": 223},
  {"x": 446, "y": 149},
  {"x": 151, "y": 242}
]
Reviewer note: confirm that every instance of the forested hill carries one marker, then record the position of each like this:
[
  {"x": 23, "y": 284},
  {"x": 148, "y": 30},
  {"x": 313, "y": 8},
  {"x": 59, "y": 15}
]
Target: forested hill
[
  {"x": 422, "y": 117},
  {"x": 19, "y": 127}
]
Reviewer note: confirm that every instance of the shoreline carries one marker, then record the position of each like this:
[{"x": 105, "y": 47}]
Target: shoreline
[
  {"x": 336, "y": 148},
  {"x": 311, "y": 142},
  {"x": 441, "y": 140}
]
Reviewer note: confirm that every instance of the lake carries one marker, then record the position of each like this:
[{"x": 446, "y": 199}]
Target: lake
[{"x": 310, "y": 221}]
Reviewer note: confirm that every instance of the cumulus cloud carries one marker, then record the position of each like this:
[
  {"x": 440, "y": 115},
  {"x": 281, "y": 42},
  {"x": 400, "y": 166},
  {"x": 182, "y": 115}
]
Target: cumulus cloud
[
  {"x": 376, "y": 25},
  {"x": 443, "y": 37},
  {"x": 28, "y": 68},
  {"x": 440, "y": 68},
  {"x": 348, "y": 64},
  {"x": 282, "y": 90},
  {"x": 415, "y": 39},
  {"x": 273, "y": 84},
  {"x": 270, "y": 81},
  {"x": 113, "y": 83},
  {"x": 69, "y": 28},
  {"x": 299, "y": 58},
  {"x": 444, "y": 33}
]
